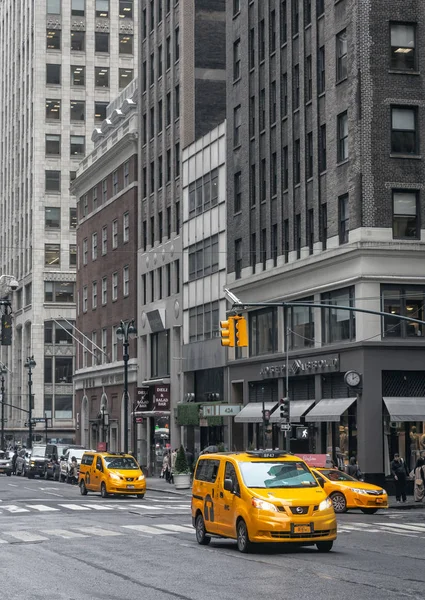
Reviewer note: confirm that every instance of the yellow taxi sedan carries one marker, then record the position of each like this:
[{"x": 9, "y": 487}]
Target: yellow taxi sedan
[{"x": 347, "y": 492}]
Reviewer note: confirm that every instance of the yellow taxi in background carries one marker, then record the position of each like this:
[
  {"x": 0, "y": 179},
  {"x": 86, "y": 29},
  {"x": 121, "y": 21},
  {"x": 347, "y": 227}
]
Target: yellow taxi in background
[
  {"x": 111, "y": 473},
  {"x": 260, "y": 496},
  {"x": 347, "y": 492}
]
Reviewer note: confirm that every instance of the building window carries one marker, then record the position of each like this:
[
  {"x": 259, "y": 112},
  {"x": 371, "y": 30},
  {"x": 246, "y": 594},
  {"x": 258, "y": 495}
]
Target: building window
[
  {"x": 85, "y": 299},
  {"x": 104, "y": 190},
  {"x": 104, "y": 344},
  {"x": 263, "y": 180},
  {"x": 94, "y": 246},
  {"x": 101, "y": 42},
  {"x": 320, "y": 7},
  {"x": 126, "y": 173},
  {"x": 236, "y": 7},
  {"x": 102, "y": 8},
  {"x": 286, "y": 239},
  {"x": 78, "y": 41},
  {"x": 104, "y": 290},
  {"x": 85, "y": 251},
  {"x": 284, "y": 94},
  {"x": 321, "y": 72},
  {"x": 115, "y": 188},
  {"x": 263, "y": 332},
  {"x": 177, "y": 217},
  {"x": 52, "y": 255},
  {"x": 295, "y": 16},
  {"x": 72, "y": 255},
  {"x": 297, "y": 162},
  {"x": 338, "y": 325},
  {"x": 274, "y": 244},
  {"x": 403, "y": 46},
  {"x": 342, "y": 125},
  {"x": 238, "y": 191},
  {"x": 273, "y": 175},
  {"x": 78, "y": 145},
  {"x": 125, "y": 43},
  {"x": 78, "y": 75},
  {"x": 203, "y": 258},
  {"x": 177, "y": 102},
  {"x": 126, "y": 9},
  {"x": 124, "y": 77},
  {"x": 252, "y": 48},
  {"x": 53, "y": 145},
  {"x": 262, "y": 109},
  {"x": 405, "y": 302},
  {"x": 53, "y": 181},
  {"x": 253, "y": 252},
  {"x": 308, "y": 79},
  {"x": 114, "y": 234},
  {"x": 300, "y": 320},
  {"x": 114, "y": 286},
  {"x": 177, "y": 275},
  {"x": 236, "y": 60},
  {"x": 237, "y": 118},
  {"x": 160, "y": 354},
  {"x": 404, "y": 139},
  {"x": 297, "y": 233},
  {"x": 100, "y": 111},
  {"x": 285, "y": 168},
  {"x": 203, "y": 322},
  {"x": 238, "y": 258},
  {"x": 78, "y": 110},
  {"x": 59, "y": 292},
  {"x": 177, "y": 44},
  {"x": 52, "y": 217},
  {"x": 406, "y": 223},
  {"x": 101, "y": 77},
  {"x": 283, "y": 21},
  {"x": 53, "y": 110},
  {"x": 309, "y": 155},
  {"x": 296, "y": 86},
  {"x": 322, "y": 148},
  {"x": 341, "y": 55},
  {"x": 78, "y": 8},
  {"x": 94, "y": 295},
  {"x": 253, "y": 186},
  {"x": 53, "y": 39},
  {"x": 272, "y": 31},
  {"x": 310, "y": 230},
  {"x": 273, "y": 103},
  {"x": 125, "y": 281},
  {"x": 104, "y": 239},
  {"x": 344, "y": 219},
  {"x": 53, "y": 74},
  {"x": 53, "y": 7},
  {"x": 126, "y": 227},
  {"x": 324, "y": 225}
]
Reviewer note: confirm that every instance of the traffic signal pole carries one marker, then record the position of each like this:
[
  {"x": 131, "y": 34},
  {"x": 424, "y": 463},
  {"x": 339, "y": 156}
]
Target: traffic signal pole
[{"x": 287, "y": 433}]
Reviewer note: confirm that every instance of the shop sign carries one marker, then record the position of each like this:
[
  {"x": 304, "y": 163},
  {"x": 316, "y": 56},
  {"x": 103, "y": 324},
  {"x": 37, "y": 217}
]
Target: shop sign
[
  {"x": 162, "y": 397},
  {"x": 301, "y": 366},
  {"x": 220, "y": 410},
  {"x": 142, "y": 403}
]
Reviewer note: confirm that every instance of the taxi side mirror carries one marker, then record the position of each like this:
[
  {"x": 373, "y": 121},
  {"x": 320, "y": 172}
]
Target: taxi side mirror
[{"x": 228, "y": 485}]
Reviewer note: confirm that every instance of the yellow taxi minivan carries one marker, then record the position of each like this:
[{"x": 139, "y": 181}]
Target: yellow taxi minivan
[
  {"x": 111, "y": 473},
  {"x": 260, "y": 496}
]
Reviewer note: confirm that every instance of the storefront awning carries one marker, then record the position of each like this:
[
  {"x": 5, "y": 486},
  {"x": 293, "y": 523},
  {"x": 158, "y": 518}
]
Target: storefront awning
[
  {"x": 329, "y": 410},
  {"x": 298, "y": 408},
  {"x": 406, "y": 408},
  {"x": 253, "y": 413}
]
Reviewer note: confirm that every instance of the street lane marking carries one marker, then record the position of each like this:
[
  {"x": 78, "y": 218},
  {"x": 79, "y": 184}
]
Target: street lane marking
[
  {"x": 98, "y": 531},
  {"x": 178, "y": 528},
  {"x": 146, "y": 529},
  {"x": 15, "y": 509},
  {"x": 26, "y": 536},
  {"x": 98, "y": 507},
  {"x": 74, "y": 506},
  {"x": 13, "y": 484},
  {"x": 147, "y": 507},
  {"x": 391, "y": 532},
  {"x": 408, "y": 527},
  {"x": 63, "y": 533},
  {"x": 42, "y": 507}
]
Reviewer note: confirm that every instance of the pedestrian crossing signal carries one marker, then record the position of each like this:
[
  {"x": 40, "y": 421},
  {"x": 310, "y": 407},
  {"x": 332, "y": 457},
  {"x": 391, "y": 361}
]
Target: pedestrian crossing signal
[
  {"x": 241, "y": 332},
  {"x": 228, "y": 332}
]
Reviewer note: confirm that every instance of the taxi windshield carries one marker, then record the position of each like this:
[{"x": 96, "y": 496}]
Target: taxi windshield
[
  {"x": 120, "y": 462},
  {"x": 282, "y": 474},
  {"x": 335, "y": 475}
]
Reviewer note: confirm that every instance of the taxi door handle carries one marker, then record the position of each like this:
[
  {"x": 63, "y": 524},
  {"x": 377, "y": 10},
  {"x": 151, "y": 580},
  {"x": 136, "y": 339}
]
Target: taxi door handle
[{"x": 221, "y": 495}]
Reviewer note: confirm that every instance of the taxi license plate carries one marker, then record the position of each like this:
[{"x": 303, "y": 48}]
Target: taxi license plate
[
  {"x": 130, "y": 487},
  {"x": 302, "y": 529}
]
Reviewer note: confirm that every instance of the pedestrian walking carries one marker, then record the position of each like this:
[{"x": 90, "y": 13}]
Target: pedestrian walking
[
  {"x": 400, "y": 474},
  {"x": 419, "y": 479},
  {"x": 353, "y": 468},
  {"x": 14, "y": 459},
  {"x": 173, "y": 459},
  {"x": 165, "y": 465}
]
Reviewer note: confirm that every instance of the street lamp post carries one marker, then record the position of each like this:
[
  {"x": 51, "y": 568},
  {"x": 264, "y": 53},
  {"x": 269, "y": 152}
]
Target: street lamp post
[
  {"x": 3, "y": 371},
  {"x": 126, "y": 331},
  {"x": 30, "y": 364}
]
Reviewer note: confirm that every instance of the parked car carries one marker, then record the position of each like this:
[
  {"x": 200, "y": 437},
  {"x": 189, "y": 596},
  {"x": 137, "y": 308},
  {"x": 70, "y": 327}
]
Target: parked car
[
  {"x": 6, "y": 462},
  {"x": 66, "y": 459},
  {"x": 22, "y": 462},
  {"x": 37, "y": 462},
  {"x": 54, "y": 453}
]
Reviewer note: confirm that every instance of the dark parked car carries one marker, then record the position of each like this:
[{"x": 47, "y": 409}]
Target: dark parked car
[
  {"x": 6, "y": 462},
  {"x": 54, "y": 453},
  {"x": 22, "y": 462},
  {"x": 37, "y": 462}
]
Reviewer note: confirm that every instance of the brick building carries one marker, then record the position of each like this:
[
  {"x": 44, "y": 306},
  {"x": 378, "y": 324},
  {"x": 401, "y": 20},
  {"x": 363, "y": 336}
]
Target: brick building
[{"x": 325, "y": 203}]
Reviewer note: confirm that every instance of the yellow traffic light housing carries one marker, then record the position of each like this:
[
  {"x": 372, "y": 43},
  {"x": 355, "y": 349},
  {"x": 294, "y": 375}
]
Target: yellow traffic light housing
[
  {"x": 228, "y": 332},
  {"x": 241, "y": 332}
]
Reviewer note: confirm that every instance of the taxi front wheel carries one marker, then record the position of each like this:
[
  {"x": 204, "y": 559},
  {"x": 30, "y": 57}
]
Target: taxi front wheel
[
  {"x": 244, "y": 545},
  {"x": 339, "y": 502},
  {"x": 103, "y": 490},
  {"x": 324, "y": 546},
  {"x": 83, "y": 489},
  {"x": 201, "y": 534}
]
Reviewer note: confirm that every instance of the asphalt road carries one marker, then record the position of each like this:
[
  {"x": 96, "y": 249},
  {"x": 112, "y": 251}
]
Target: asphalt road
[{"x": 57, "y": 545}]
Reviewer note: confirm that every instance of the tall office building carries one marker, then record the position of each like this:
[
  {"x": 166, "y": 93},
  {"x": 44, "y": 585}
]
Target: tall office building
[
  {"x": 326, "y": 204},
  {"x": 182, "y": 96},
  {"x": 61, "y": 62}
]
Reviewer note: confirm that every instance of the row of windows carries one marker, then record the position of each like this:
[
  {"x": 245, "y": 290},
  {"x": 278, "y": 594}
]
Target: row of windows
[
  {"x": 52, "y": 217},
  {"x": 52, "y": 255},
  {"x": 77, "y": 110},
  {"x": 203, "y": 193},
  {"x": 154, "y": 17},
  {"x": 78, "y": 41},
  {"x": 104, "y": 241},
  {"x": 162, "y": 116},
  {"x": 101, "y": 192},
  {"x": 78, "y": 76},
  {"x": 161, "y": 283},
  {"x": 104, "y": 289},
  {"x": 204, "y": 321},
  {"x": 160, "y": 232},
  {"x": 203, "y": 258},
  {"x": 158, "y": 175},
  {"x": 102, "y": 7},
  {"x": 94, "y": 355},
  {"x": 162, "y": 54}
]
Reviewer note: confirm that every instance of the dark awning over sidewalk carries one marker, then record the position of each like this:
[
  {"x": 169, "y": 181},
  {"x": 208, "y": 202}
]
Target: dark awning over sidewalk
[
  {"x": 329, "y": 409},
  {"x": 405, "y": 408},
  {"x": 298, "y": 408}
]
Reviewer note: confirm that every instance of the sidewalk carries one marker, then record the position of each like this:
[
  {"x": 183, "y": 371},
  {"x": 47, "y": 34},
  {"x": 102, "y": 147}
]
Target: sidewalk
[{"x": 409, "y": 505}]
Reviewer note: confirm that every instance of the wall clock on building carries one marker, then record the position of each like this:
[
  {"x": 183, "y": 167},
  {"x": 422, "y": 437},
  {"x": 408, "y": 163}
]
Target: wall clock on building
[{"x": 353, "y": 379}]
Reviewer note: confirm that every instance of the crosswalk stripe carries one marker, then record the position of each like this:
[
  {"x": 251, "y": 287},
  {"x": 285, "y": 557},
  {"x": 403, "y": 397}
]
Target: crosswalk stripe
[
  {"x": 74, "y": 506},
  {"x": 42, "y": 507},
  {"x": 98, "y": 531},
  {"x": 14, "y": 509},
  {"x": 63, "y": 533},
  {"x": 145, "y": 529},
  {"x": 26, "y": 536},
  {"x": 392, "y": 532},
  {"x": 408, "y": 527},
  {"x": 3, "y": 542},
  {"x": 98, "y": 507},
  {"x": 146, "y": 506},
  {"x": 177, "y": 528}
]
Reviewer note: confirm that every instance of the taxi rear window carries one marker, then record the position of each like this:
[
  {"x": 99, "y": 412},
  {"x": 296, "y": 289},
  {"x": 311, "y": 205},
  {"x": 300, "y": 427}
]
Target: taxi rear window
[{"x": 207, "y": 470}]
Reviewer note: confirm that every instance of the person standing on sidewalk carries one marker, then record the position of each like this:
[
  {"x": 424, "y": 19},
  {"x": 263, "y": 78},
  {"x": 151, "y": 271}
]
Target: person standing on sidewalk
[
  {"x": 419, "y": 477},
  {"x": 400, "y": 474}
]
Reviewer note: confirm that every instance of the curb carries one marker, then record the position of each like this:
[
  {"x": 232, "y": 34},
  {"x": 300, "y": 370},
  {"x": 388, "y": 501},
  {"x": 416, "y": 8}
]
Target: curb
[
  {"x": 407, "y": 506},
  {"x": 171, "y": 491}
]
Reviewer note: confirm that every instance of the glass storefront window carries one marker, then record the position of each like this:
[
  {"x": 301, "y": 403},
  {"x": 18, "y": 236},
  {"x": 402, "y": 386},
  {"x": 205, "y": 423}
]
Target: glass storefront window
[
  {"x": 300, "y": 320},
  {"x": 406, "y": 302},
  {"x": 160, "y": 354},
  {"x": 263, "y": 332},
  {"x": 338, "y": 324}
]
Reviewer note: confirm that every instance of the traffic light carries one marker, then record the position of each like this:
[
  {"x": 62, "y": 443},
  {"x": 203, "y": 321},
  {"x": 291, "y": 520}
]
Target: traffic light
[
  {"x": 284, "y": 409},
  {"x": 241, "y": 332},
  {"x": 228, "y": 332},
  {"x": 6, "y": 330}
]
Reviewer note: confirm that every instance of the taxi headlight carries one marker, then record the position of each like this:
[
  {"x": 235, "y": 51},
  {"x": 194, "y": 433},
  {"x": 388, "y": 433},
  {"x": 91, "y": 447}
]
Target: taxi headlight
[
  {"x": 325, "y": 504},
  {"x": 114, "y": 476},
  {"x": 140, "y": 477},
  {"x": 263, "y": 505},
  {"x": 358, "y": 491}
]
